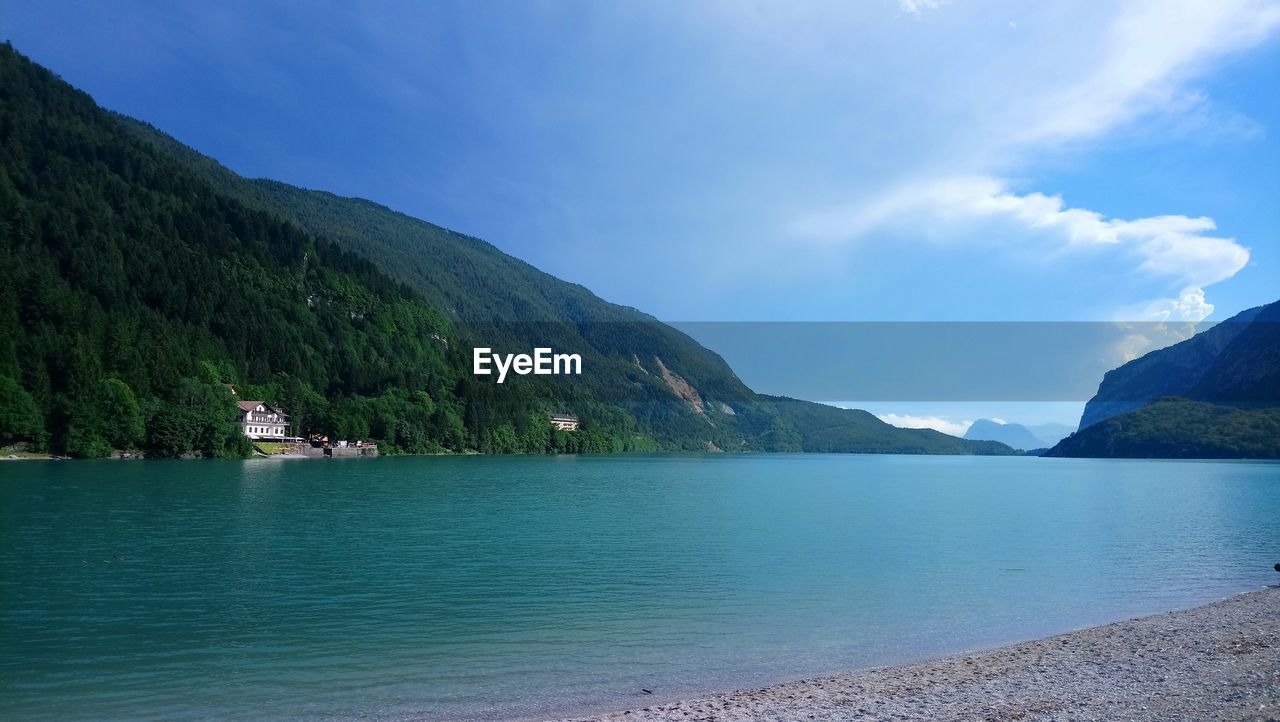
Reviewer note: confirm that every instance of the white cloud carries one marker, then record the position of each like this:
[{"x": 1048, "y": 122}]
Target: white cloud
[
  {"x": 937, "y": 423},
  {"x": 1189, "y": 306},
  {"x": 753, "y": 115},
  {"x": 1149, "y": 52},
  {"x": 915, "y": 6},
  {"x": 1135, "y": 63},
  {"x": 1162, "y": 323},
  {"x": 1173, "y": 247}
]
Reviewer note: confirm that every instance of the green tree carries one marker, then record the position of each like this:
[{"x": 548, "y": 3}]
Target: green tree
[
  {"x": 198, "y": 419},
  {"x": 537, "y": 433},
  {"x": 121, "y": 414},
  {"x": 20, "y": 418},
  {"x": 449, "y": 429},
  {"x": 171, "y": 431}
]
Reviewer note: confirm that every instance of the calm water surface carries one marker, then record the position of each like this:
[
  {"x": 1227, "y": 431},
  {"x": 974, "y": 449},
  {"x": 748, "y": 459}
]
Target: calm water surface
[{"x": 525, "y": 586}]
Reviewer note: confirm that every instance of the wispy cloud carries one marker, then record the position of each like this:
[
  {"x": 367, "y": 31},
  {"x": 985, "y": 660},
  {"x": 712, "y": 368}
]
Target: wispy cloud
[
  {"x": 1175, "y": 247},
  {"x": 937, "y": 423},
  {"x": 915, "y": 6},
  {"x": 1149, "y": 53},
  {"x": 1138, "y": 65}
]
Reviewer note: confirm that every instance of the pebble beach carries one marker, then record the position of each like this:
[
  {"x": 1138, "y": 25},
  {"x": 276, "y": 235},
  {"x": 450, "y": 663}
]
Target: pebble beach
[{"x": 1220, "y": 661}]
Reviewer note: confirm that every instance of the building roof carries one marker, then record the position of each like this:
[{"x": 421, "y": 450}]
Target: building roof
[
  {"x": 563, "y": 417},
  {"x": 253, "y": 406}
]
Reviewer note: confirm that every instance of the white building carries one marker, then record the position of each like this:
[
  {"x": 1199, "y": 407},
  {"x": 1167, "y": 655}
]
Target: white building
[
  {"x": 564, "y": 422},
  {"x": 260, "y": 420}
]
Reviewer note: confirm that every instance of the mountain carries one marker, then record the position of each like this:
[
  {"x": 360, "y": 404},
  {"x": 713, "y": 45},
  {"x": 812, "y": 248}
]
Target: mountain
[
  {"x": 1235, "y": 362},
  {"x": 1247, "y": 372},
  {"x": 132, "y": 291},
  {"x": 830, "y": 429},
  {"x": 1215, "y": 395},
  {"x": 1174, "y": 428},
  {"x": 1014, "y": 435},
  {"x": 142, "y": 276},
  {"x": 1018, "y": 436},
  {"x": 495, "y": 296},
  {"x": 681, "y": 392}
]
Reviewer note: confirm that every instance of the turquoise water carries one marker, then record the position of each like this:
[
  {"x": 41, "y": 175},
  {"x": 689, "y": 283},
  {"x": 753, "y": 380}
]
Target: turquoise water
[{"x": 526, "y": 586}]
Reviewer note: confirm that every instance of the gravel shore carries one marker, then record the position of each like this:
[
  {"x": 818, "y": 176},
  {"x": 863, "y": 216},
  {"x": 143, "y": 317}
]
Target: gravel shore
[{"x": 1220, "y": 661}]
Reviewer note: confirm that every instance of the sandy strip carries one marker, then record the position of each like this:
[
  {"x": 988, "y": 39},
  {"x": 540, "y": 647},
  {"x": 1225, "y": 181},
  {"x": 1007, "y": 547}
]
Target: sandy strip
[{"x": 1216, "y": 662}]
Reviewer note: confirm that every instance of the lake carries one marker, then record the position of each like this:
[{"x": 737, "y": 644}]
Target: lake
[{"x": 485, "y": 587}]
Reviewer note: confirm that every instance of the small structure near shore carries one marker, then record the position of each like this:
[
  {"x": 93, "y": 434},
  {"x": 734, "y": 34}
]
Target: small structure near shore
[
  {"x": 259, "y": 420},
  {"x": 339, "y": 449},
  {"x": 564, "y": 422}
]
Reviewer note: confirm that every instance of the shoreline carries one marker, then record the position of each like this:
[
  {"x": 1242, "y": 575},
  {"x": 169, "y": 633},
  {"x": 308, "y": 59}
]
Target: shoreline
[
  {"x": 1218, "y": 661},
  {"x": 119, "y": 455}
]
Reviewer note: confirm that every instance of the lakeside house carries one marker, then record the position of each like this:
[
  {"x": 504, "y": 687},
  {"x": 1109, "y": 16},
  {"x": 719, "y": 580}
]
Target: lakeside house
[
  {"x": 260, "y": 420},
  {"x": 564, "y": 422}
]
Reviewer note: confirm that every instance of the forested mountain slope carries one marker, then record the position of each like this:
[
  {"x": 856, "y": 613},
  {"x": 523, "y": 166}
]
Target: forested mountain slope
[
  {"x": 141, "y": 277},
  {"x": 504, "y": 303},
  {"x": 133, "y": 289},
  {"x": 1174, "y": 428}
]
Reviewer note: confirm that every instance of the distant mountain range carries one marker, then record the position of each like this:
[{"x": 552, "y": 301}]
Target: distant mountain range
[
  {"x": 830, "y": 429},
  {"x": 1018, "y": 436},
  {"x": 142, "y": 276},
  {"x": 1214, "y": 395}
]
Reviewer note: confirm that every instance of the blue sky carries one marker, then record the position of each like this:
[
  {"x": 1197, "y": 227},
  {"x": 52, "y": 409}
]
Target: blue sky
[{"x": 735, "y": 161}]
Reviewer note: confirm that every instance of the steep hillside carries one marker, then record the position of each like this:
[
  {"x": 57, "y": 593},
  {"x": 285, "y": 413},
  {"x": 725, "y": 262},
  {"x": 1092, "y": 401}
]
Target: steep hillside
[
  {"x": 1235, "y": 362},
  {"x": 133, "y": 290},
  {"x": 493, "y": 296},
  {"x": 1218, "y": 397},
  {"x": 1179, "y": 429},
  {"x": 502, "y": 302},
  {"x": 145, "y": 276},
  {"x": 1247, "y": 372}
]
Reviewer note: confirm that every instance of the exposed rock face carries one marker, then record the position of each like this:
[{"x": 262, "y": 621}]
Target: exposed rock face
[
  {"x": 636, "y": 360},
  {"x": 680, "y": 387}
]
